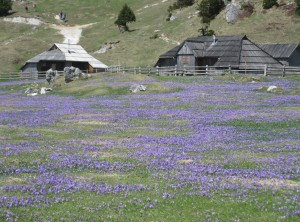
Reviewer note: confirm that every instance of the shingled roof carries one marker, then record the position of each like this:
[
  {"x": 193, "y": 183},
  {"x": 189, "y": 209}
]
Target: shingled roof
[
  {"x": 279, "y": 50},
  {"x": 67, "y": 52},
  {"x": 171, "y": 53},
  {"x": 232, "y": 50}
]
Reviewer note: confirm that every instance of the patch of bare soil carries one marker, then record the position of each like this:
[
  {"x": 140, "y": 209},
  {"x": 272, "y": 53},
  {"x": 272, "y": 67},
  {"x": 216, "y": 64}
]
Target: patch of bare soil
[
  {"x": 23, "y": 20},
  {"x": 72, "y": 34}
]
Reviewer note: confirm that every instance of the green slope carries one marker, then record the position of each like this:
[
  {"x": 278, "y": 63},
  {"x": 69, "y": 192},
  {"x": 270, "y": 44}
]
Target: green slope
[{"x": 19, "y": 42}]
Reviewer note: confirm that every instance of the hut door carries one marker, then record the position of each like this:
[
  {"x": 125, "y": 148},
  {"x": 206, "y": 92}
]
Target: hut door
[{"x": 53, "y": 66}]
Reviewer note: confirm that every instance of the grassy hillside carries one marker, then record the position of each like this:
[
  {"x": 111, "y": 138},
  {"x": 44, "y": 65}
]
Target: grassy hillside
[{"x": 20, "y": 42}]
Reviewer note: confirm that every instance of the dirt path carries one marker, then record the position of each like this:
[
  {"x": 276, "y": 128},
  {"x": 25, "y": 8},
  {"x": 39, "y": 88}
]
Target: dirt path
[{"x": 72, "y": 34}]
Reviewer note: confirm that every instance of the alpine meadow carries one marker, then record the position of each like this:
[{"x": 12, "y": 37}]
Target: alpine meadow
[{"x": 222, "y": 146}]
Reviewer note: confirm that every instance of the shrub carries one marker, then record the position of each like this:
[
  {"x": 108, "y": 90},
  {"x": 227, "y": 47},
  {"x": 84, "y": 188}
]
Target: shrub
[
  {"x": 184, "y": 3},
  {"x": 209, "y": 9},
  {"x": 155, "y": 36},
  {"x": 204, "y": 31},
  {"x": 177, "y": 5},
  {"x": 5, "y": 6},
  {"x": 169, "y": 16},
  {"x": 269, "y": 3},
  {"x": 298, "y": 7}
]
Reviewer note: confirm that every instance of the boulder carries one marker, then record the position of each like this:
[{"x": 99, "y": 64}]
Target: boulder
[
  {"x": 31, "y": 91},
  {"x": 45, "y": 90},
  {"x": 72, "y": 73},
  {"x": 77, "y": 72},
  {"x": 137, "y": 88},
  {"x": 69, "y": 74},
  {"x": 232, "y": 12},
  {"x": 32, "y": 94},
  {"x": 272, "y": 89},
  {"x": 172, "y": 18},
  {"x": 51, "y": 75}
]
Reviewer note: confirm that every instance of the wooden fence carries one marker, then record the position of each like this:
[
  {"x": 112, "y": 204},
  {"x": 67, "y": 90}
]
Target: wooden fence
[
  {"x": 175, "y": 71},
  {"x": 208, "y": 70},
  {"x": 25, "y": 75}
]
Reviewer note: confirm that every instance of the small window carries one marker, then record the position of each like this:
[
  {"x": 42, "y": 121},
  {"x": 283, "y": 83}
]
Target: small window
[{"x": 185, "y": 60}]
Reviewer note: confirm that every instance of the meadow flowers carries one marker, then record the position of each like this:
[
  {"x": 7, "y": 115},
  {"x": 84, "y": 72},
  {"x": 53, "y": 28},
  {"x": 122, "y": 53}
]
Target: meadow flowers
[{"x": 209, "y": 139}]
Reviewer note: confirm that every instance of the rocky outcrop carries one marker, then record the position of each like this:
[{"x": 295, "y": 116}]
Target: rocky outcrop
[
  {"x": 137, "y": 88},
  {"x": 51, "y": 75},
  {"x": 72, "y": 73},
  {"x": 232, "y": 12}
]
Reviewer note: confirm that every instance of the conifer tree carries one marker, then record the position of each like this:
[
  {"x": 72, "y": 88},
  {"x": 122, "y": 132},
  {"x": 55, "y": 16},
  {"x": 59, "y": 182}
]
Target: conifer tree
[
  {"x": 269, "y": 3},
  {"x": 5, "y": 6},
  {"x": 298, "y": 7},
  {"x": 209, "y": 9},
  {"x": 125, "y": 16}
]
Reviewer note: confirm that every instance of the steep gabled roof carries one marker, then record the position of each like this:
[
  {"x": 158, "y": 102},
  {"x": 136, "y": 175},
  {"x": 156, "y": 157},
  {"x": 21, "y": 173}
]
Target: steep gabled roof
[
  {"x": 202, "y": 44},
  {"x": 227, "y": 49},
  {"x": 198, "y": 48},
  {"x": 252, "y": 55},
  {"x": 67, "y": 52},
  {"x": 55, "y": 55},
  {"x": 230, "y": 50},
  {"x": 279, "y": 50},
  {"x": 171, "y": 53}
]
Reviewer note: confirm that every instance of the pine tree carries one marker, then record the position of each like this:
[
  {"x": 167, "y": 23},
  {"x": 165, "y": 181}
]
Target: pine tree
[
  {"x": 269, "y": 3},
  {"x": 5, "y": 6},
  {"x": 209, "y": 9},
  {"x": 125, "y": 16},
  {"x": 298, "y": 7}
]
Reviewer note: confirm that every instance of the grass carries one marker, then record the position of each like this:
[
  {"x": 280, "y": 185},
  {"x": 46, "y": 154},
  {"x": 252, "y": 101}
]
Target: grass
[
  {"x": 21, "y": 42},
  {"x": 191, "y": 208},
  {"x": 109, "y": 128},
  {"x": 97, "y": 86},
  {"x": 262, "y": 125}
]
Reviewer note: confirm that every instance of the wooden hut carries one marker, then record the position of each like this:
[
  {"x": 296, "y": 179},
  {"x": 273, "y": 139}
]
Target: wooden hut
[
  {"x": 220, "y": 51},
  {"x": 287, "y": 54},
  {"x": 61, "y": 55}
]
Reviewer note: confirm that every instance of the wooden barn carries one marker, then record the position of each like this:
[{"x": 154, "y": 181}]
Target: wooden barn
[
  {"x": 237, "y": 51},
  {"x": 61, "y": 55},
  {"x": 287, "y": 54}
]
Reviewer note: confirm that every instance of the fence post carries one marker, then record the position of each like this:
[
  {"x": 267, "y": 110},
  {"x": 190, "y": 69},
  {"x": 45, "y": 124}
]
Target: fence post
[
  {"x": 184, "y": 70},
  {"x": 229, "y": 69},
  {"x": 157, "y": 70},
  {"x": 265, "y": 70},
  {"x": 140, "y": 71},
  {"x": 134, "y": 70},
  {"x": 283, "y": 71},
  {"x": 175, "y": 73},
  {"x": 206, "y": 69}
]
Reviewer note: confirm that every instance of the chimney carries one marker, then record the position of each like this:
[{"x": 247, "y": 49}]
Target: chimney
[{"x": 214, "y": 39}]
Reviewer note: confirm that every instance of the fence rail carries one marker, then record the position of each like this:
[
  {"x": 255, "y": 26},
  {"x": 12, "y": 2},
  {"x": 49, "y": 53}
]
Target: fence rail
[
  {"x": 208, "y": 70},
  {"x": 25, "y": 75},
  {"x": 174, "y": 71}
]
